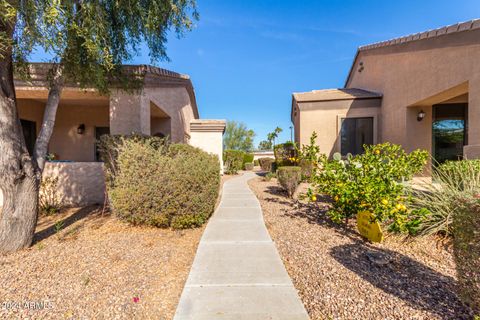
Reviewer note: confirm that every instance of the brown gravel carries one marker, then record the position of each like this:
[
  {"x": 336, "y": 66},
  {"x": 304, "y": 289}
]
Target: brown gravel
[
  {"x": 95, "y": 267},
  {"x": 340, "y": 276},
  {"x": 92, "y": 266}
]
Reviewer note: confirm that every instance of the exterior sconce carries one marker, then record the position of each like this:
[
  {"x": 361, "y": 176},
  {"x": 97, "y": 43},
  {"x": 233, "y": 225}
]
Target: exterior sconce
[
  {"x": 81, "y": 129},
  {"x": 420, "y": 115}
]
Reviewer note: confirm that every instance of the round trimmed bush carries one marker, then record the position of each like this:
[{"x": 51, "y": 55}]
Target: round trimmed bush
[
  {"x": 289, "y": 178},
  {"x": 266, "y": 163},
  {"x": 175, "y": 187}
]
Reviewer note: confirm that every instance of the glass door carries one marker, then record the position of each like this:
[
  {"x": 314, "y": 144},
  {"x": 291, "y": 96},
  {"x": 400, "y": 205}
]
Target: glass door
[{"x": 449, "y": 131}]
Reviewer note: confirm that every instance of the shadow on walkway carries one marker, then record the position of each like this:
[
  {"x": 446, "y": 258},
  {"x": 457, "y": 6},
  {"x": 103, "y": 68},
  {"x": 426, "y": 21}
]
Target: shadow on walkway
[{"x": 398, "y": 275}]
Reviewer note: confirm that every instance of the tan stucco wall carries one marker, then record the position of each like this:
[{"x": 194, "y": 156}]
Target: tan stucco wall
[
  {"x": 65, "y": 142},
  {"x": 128, "y": 114},
  {"x": 175, "y": 102},
  {"x": 131, "y": 112},
  {"x": 211, "y": 142},
  {"x": 409, "y": 74},
  {"x": 79, "y": 183},
  {"x": 208, "y": 136},
  {"x": 324, "y": 118},
  {"x": 31, "y": 110}
]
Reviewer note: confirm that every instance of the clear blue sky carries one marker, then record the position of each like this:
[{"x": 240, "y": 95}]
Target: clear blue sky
[{"x": 245, "y": 58}]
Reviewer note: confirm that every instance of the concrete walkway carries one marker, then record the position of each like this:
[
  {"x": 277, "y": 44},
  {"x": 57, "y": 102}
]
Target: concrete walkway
[{"x": 237, "y": 272}]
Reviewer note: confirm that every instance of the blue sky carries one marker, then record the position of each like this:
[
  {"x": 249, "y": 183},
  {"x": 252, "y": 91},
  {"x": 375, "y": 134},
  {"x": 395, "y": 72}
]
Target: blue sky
[{"x": 246, "y": 57}]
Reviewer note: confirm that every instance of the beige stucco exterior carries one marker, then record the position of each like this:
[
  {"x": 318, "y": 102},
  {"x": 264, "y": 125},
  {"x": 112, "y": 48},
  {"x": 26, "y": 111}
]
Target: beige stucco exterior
[
  {"x": 324, "y": 118},
  {"x": 208, "y": 136},
  {"x": 164, "y": 106},
  {"x": 79, "y": 183},
  {"x": 411, "y": 73}
]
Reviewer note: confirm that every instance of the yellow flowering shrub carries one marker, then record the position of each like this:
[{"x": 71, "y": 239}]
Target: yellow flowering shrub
[{"x": 374, "y": 182}]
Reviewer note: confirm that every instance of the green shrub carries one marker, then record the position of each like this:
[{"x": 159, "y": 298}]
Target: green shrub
[
  {"x": 309, "y": 157},
  {"x": 174, "y": 186},
  {"x": 50, "y": 201},
  {"x": 266, "y": 164},
  {"x": 285, "y": 154},
  {"x": 256, "y": 163},
  {"x": 466, "y": 231},
  {"x": 452, "y": 182},
  {"x": 289, "y": 178},
  {"x": 233, "y": 161},
  {"x": 372, "y": 182},
  {"x": 248, "y": 158},
  {"x": 109, "y": 146}
]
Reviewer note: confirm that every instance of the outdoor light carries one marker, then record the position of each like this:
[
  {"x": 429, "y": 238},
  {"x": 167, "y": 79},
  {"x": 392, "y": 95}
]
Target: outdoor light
[
  {"x": 420, "y": 115},
  {"x": 81, "y": 129}
]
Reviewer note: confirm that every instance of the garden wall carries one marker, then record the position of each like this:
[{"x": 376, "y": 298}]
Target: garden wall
[
  {"x": 208, "y": 136},
  {"x": 79, "y": 183}
]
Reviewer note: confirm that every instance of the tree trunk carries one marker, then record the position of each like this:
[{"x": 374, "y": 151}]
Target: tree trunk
[
  {"x": 41, "y": 145},
  {"x": 19, "y": 174}
]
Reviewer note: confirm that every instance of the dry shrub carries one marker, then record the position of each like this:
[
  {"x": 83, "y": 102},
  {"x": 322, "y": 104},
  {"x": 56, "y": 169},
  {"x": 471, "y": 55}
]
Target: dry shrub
[
  {"x": 50, "y": 201},
  {"x": 172, "y": 186},
  {"x": 266, "y": 164},
  {"x": 289, "y": 178}
]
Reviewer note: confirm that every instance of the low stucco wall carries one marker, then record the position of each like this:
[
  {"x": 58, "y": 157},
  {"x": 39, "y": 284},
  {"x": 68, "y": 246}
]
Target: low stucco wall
[
  {"x": 208, "y": 136},
  {"x": 79, "y": 183},
  {"x": 264, "y": 154},
  {"x": 210, "y": 142}
]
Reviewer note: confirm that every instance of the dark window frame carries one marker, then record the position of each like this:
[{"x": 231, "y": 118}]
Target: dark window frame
[{"x": 341, "y": 134}]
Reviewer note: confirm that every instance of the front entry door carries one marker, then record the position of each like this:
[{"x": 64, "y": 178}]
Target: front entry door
[{"x": 449, "y": 131}]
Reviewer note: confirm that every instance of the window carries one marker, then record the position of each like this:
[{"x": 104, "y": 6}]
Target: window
[
  {"x": 99, "y": 131},
  {"x": 355, "y": 132}
]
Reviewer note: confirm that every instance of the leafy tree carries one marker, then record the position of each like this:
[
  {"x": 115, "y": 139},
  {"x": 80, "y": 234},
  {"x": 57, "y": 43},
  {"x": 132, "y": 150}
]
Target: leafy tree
[
  {"x": 238, "y": 137},
  {"x": 87, "y": 42},
  {"x": 265, "y": 145}
]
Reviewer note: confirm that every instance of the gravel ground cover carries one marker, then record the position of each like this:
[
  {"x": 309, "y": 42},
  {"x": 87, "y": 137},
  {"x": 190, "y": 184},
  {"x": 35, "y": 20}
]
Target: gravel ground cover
[
  {"x": 340, "y": 276},
  {"x": 96, "y": 267},
  {"x": 86, "y": 264}
]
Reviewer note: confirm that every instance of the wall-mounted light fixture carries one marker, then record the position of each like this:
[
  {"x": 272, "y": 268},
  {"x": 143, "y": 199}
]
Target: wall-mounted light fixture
[
  {"x": 81, "y": 129},
  {"x": 420, "y": 115}
]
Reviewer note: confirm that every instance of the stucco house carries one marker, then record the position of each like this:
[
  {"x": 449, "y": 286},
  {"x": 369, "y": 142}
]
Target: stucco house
[
  {"x": 165, "y": 106},
  {"x": 420, "y": 91}
]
